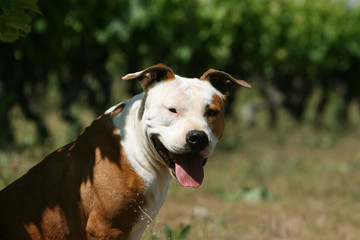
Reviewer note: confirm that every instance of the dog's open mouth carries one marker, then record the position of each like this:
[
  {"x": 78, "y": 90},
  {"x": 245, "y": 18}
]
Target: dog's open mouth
[{"x": 187, "y": 168}]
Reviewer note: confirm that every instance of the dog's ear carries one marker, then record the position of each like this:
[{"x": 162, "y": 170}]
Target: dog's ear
[
  {"x": 222, "y": 81},
  {"x": 158, "y": 72}
]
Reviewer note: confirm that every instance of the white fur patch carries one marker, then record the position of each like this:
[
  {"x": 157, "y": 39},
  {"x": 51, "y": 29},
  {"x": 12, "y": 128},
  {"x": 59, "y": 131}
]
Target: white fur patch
[{"x": 148, "y": 114}]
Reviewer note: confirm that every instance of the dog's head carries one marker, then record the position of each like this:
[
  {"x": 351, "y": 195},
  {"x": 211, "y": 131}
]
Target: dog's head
[{"x": 183, "y": 118}]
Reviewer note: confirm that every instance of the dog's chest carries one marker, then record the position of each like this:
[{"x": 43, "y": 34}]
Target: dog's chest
[{"x": 154, "y": 199}]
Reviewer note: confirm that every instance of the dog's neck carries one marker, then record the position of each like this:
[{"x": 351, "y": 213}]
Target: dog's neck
[
  {"x": 135, "y": 142},
  {"x": 141, "y": 156}
]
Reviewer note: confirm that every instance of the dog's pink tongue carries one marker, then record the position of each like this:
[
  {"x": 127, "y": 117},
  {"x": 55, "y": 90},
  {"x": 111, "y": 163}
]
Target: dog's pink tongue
[{"x": 189, "y": 170}]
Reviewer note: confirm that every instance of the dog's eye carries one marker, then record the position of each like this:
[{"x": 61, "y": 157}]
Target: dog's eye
[
  {"x": 173, "y": 110},
  {"x": 212, "y": 113}
]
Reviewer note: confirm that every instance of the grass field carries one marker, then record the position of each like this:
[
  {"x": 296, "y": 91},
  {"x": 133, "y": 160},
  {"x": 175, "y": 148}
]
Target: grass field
[
  {"x": 277, "y": 185},
  {"x": 293, "y": 182}
]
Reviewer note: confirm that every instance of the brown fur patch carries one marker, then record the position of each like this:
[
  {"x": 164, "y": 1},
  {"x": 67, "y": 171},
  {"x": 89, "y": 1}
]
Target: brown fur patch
[
  {"x": 222, "y": 81},
  {"x": 118, "y": 109},
  {"x": 85, "y": 189},
  {"x": 158, "y": 72},
  {"x": 217, "y": 123}
]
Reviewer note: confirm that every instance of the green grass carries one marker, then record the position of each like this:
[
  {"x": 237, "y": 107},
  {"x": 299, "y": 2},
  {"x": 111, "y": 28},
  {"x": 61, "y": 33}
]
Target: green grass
[{"x": 293, "y": 182}]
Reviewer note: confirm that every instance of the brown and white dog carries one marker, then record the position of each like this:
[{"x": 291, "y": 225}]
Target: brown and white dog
[{"x": 112, "y": 180}]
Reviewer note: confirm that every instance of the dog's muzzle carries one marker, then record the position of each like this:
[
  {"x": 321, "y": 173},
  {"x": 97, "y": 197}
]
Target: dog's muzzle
[{"x": 186, "y": 167}]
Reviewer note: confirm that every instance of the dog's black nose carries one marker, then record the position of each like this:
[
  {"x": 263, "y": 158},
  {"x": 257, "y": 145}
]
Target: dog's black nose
[{"x": 197, "y": 140}]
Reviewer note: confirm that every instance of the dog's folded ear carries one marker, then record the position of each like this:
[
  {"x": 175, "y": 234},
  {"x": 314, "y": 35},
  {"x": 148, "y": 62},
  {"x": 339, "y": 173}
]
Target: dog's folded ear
[
  {"x": 222, "y": 81},
  {"x": 158, "y": 72}
]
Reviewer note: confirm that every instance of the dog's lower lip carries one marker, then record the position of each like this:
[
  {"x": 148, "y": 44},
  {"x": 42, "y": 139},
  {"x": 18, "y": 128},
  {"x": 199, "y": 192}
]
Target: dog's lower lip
[
  {"x": 164, "y": 153},
  {"x": 186, "y": 168}
]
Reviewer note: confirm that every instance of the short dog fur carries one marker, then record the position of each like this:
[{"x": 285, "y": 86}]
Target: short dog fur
[{"x": 113, "y": 178}]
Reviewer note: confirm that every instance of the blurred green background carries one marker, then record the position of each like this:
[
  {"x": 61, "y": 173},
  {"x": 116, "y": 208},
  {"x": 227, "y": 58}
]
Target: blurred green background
[{"x": 288, "y": 165}]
